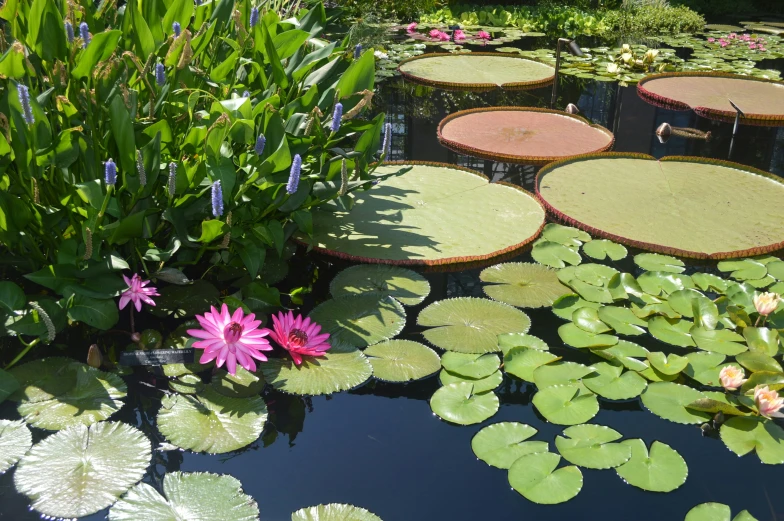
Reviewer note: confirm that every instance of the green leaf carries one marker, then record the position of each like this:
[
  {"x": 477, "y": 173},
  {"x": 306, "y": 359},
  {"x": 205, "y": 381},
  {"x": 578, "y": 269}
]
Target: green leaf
[
  {"x": 744, "y": 269},
  {"x": 242, "y": 384},
  {"x": 535, "y": 477},
  {"x": 622, "y": 320},
  {"x": 470, "y": 365},
  {"x": 261, "y": 298},
  {"x": 587, "y": 319},
  {"x": 669, "y": 400},
  {"x": 481, "y": 385},
  {"x": 179, "y": 11},
  {"x": 186, "y": 301},
  {"x": 507, "y": 341},
  {"x": 211, "y": 229},
  {"x": 660, "y": 283},
  {"x": 101, "y": 47},
  {"x": 524, "y": 285},
  {"x": 560, "y": 373},
  {"x": 287, "y": 43},
  {"x": 762, "y": 340},
  {"x": 721, "y": 341},
  {"x": 12, "y": 298},
  {"x": 522, "y": 361},
  {"x": 661, "y": 263},
  {"x": 122, "y": 130},
  {"x": 708, "y": 282},
  {"x": 716, "y": 512},
  {"x": 705, "y": 368},
  {"x": 576, "y": 337},
  {"x": 501, "y": 444},
  {"x": 565, "y": 306},
  {"x": 359, "y": 76},
  {"x": 773, "y": 380},
  {"x": 671, "y": 331},
  {"x": 15, "y": 441},
  {"x": 456, "y": 403},
  {"x": 333, "y": 511},
  {"x": 668, "y": 364},
  {"x": 591, "y": 446},
  {"x": 101, "y": 314},
  {"x": 82, "y": 470},
  {"x": 742, "y": 435},
  {"x": 601, "y": 249},
  {"x": 661, "y": 470},
  {"x": 402, "y": 360},
  {"x": 611, "y": 382},
  {"x": 755, "y": 361},
  {"x": 360, "y": 320},
  {"x": 408, "y": 287},
  {"x": 566, "y": 404},
  {"x": 554, "y": 255},
  {"x": 55, "y": 277},
  {"x": 46, "y": 32},
  {"x": 622, "y": 285}
]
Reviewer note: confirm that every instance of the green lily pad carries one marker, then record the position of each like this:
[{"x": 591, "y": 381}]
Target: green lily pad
[
  {"x": 406, "y": 286},
  {"x": 536, "y": 478},
  {"x": 721, "y": 341},
  {"x": 773, "y": 380},
  {"x": 671, "y": 331},
  {"x": 708, "y": 282},
  {"x": 402, "y": 360},
  {"x": 471, "y": 365},
  {"x": 15, "y": 441},
  {"x": 601, "y": 249},
  {"x": 742, "y": 295},
  {"x": 681, "y": 301},
  {"x": 566, "y": 404},
  {"x": 717, "y": 401},
  {"x": 82, "y": 470},
  {"x": 501, "y": 444},
  {"x": 566, "y": 235},
  {"x": 211, "y": 422},
  {"x": 560, "y": 373},
  {"x": 565, "y": 306},
  {"x": 187, "y": 384},
  {"x": 705, "y": 368},
  {"x": 762, "y": 340},
  {"x": 481, "y": 385},
  {"x": 522, "y": 361},
  {"x": 716, "y": 512},
  {"x": 755, "y": 361},
  {"x": 587, "y": 319},
  {"x": 240, "y": 385},
  {"x": 524, "y": 285},
  {"x": 43, "y": 379},
  {"x": 612, "y": 382},
  {"x": 341, "y": 368},
  {"x": 622, "y": 285},
  {"x": 457, "y": 403},
  {"x": 8, "y": 385},
  {"x": 776, "y": 269},
  {"x": 657, "y": 262},
  {"x": 185, "y": 301},
  {"x": 554, "y": 254},
  {"x": 668, "y": 364},
  {"x": 595, "y": 274},
  {"x": 622, "y": 320},
  {"x": 662, "y": 283},
  {"x": 744, "y": 269},
  {"x": 360, "y": 320},
  {"x": 669, "y": 400},
  {"x": 334, "y": 512},
  {"x": 591, "y": 446},
  {"x": 470, "y": 325},
  {"x": 201, "y": 496},
  {"x": 449, "y": 70},
  {"x": 593, "y": 291},
  {"x": 576, "y": 337},
  {"x": 743, "y": 434},
  {"x": 661, "y": 470},
  {"x": 507, "y": 341},
  {"x": 627, "y": 353}
]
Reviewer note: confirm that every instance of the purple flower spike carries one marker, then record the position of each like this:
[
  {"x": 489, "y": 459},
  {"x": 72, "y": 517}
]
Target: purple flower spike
[
  {"x": 217, "y": 199},
  {"x": 296, "y": 168},
  {"x": 246, "y": 94},
  {"x": 177, "y": 29},
  {"x": 69, "y": 32},
  {"x": 110, "y": 173},
  {"x": 84, "y": 32},
  {"x": 254, "y": 16},
  {"x": 336, "y": 116},
  {"x": 386, "y": 148},
  {"x": 160, "y": 74},
  {"x": 358, "y": 51},
  {"x": 260, "y": 142},
  {"x": 24, "y": 100}
]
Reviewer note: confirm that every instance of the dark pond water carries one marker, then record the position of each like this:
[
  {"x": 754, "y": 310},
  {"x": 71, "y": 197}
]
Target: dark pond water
[{"x": 381, "y": 447}]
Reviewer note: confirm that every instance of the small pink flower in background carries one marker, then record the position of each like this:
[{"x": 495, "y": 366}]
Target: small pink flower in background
[
  {"x": 443, "y": 36},
  {"x": 746, "y": 37},
  {"x": 711, "y": 40},
  {"x": 769, "y": 403},
  {"x": 761, "y": 48},
  {"x": 723, "y": 43},
  {"x": 230, "y": 339},
  {"x": 411, "y": 27},
  {"x": 731, "y": 378},
  {"x": 137, "y": 292},
  {"x": 733, "y": 36},
  {"x": 483, "y": 35},
  {"x": 752, "y": 46},
  {"x": 434, "y": 33},
  {"x": 459, "y": 34},
  {"x": 298, "y": 336}
]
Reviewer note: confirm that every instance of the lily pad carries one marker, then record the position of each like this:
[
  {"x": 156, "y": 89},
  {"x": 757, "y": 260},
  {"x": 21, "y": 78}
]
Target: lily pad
[
  {"x": 587, "y": 319},
  {"x": 743, "y": 434},
  {"x": 744, "y": 269},
  {"x": 601, "y": 249},
  {"x": 507, "y": 341},
  {"x": 668, "y": 364},
  {"x": 560, "y": 373},
  {"x": 82, "y": 470},
  {"x": 708, "y": 282},
  {"x": 15, "y": 441},
  {"x": 471, "y": 365},
  {"x": 360, "y": 320},
  {"x": 43, "y": 379},
  {"x": 8, "y": 385},
  {"x": 591, "y": 446},
  {"x": 476, "y": 71},
  {"x": 660, "y": 283},
  {"x": 334, "y": 512},
  {"x": 661, "y": 470},
  {"x": 762, "y": 340},
  {"x": 565, "y": 306},
  {"x": 721, "y": 341},
  {"x": 657, "y": 262},
  {"x": 402, "y": 360},
  {"x": 576, "y": 337},
  {"x": 457, "y": 403},
  {"x": 672, "y": 331},
  {"x": 566, "y": 404},
  {"x": 201, "y": 496},
  {"x": 612, "y": 382},
  {"x": 341, "y": 368},
  {"x": 755, "y": 361},
  {"x": 627, "y": 353},
  {"x": 554, "y": 254},
  {"x": 522, "y": 361},
  {"x": 470, "y": 325},
  {"x": 501, "y": 444},
  {"x": 211, "y": 422},
  {"x": 536, "y": 478},
  {"x": 187, "y": 384},
  {"x": 622, "y": 320},
  {"x": 566, "y": 235},
  {"x": 716, "y": 512},
  {"x": 705, "y": 368},
  {"x": 481, "y": 385},
  {"x": 406, "y": 286},
  {"x": 669, "y": 400},
  {"x": 524, "y": 285},
  {"x": 240, "y": 385}
]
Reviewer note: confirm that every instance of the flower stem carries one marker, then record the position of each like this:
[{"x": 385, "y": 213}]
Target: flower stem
[{"x": 21, "y": 355}]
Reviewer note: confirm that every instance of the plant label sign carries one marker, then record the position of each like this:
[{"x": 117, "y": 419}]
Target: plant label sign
[{"x": 157, "y": 357}]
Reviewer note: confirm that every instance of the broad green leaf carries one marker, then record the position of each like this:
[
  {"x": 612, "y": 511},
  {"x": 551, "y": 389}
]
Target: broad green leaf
[
  {"x": 755, "y": 361},
  {"x": 481, "y": 385},
  {"x": 705, "y": 368},
  {"x": 522, "y": 361},
  {"x": 627, "y": 353},
  {"x": 721, "y": 341},
  {"x": 671, "y": 331},
  {"x": 661, "y": 470},
  {"x": 622, "y": 320},
  {"x": 661, "y": 263},
  {"x": 12, "y": 297},
  {"x": 743, "y": 435},
  {"x": 536, "y": 477},
  {"x": 360, "y": 320},
  {"x": 122, "y": 130},
  {"x": 622, "y": 285},
  {"x": 591, "y": 446},
  {"x": 708, "y": 282},
  {"x": 716, "y": 512},
  {"x": 565, "y": 306},
  {"x": 610, "y": 381},
  {"x": 457, "y": 403},
  {"x": 46, "y": 32},
  {"x": 744, "y": 269},
  {"x": 501, "y": 444},
  {"x": 451, "y": 69},
  {"x": 588, "y": 320},
  {"x": 403, "y": 360},
  {"x": 566, "y": 404},
  {"x": 524, "y": 285},
  {"x": 101, "y": 47},
  {"x": 669, "y": 400},
  {"x": 98, "y": 313},
  {"x": 762, "y": 340},
  {"x": 408, "y": 287},
  {"x": 507, "y": 341},
  {"x": 470, "y": 365},
  {"x": 15, "y": 441},
  {"x": 242, "y": 384},
  {"x": 333, "y": 511},
  {"x": 668, "y": 364},
  {"x": 560, "y": 373},
  {"x": 576, "y": 337},
  {"x": 554, "y": 254},
  {"x": 601, "y": 249},
  {"x": 662, "y": 283}
]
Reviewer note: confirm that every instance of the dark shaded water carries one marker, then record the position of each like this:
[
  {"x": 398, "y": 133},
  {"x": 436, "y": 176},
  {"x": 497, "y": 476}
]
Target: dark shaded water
[{"x": 380, "y": 446}]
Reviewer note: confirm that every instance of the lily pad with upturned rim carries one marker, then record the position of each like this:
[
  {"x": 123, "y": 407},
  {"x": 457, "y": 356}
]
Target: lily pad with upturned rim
[
  {"x": 501, "y": 444},
  {"x": 566, "y": 404},
  {"x": 360, "y": 320},
  {"x": 660, "y": 470},
  {"x": 457, "y": 403},
  {"x": 537, "y": 478},
  {"x": 15, "y": 441},
  {"x": 591, "y": 446},
  {"x": 525, "y": 285},
  {"x": 402, "y": 360},
  {"x": 406, "y": 286},
  {"x": 334, "y": 512},
  {"x": 742, "y": 435},
  {"x": 201, "y": 496}
]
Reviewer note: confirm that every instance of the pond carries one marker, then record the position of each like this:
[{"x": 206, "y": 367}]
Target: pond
[{"x": 381, "y": 447}]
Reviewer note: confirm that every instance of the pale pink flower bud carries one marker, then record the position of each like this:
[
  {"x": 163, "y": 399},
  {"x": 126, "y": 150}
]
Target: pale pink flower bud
[
  {"x": 766, "y": 303},
  {"x": 769, "y": 403},
  {"x": 731, "y": 377}
]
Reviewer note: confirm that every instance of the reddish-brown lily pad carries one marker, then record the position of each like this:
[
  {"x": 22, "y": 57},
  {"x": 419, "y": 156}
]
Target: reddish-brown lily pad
[
  {"x": 709, "y": 95},
  {"x": 521, "y": 134}
]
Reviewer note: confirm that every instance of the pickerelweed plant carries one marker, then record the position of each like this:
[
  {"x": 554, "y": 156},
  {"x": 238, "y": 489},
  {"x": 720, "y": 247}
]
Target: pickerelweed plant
[{"x": 162, "y": 142}]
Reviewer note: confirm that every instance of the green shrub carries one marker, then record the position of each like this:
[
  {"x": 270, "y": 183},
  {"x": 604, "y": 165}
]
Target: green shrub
[{"x": 651, "y": 20}]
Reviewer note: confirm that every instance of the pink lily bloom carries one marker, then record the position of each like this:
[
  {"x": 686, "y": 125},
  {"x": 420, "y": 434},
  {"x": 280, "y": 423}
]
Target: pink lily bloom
[
  {"x": 723, "y": 43},
  {"x": 434, "y": 33},
  {"x": 443, "y": 36},
  {"x": 711, "y": 40},
  {"x": 459, "y": 34},
  {"x": 137, "y": 292},
  {"x": 299, "y": 336},
  {"x": 752, "y": 46},
  {"x": 230, "y": 339},
  {"x": 769, "y": 403},
  {"x": 731, "y": 377},
  {"x": 483, "y": 35},
  {"x": 761, "y": 49},
  {"x": 733, "y": 36},
  {"x": 411, "y": 28}
]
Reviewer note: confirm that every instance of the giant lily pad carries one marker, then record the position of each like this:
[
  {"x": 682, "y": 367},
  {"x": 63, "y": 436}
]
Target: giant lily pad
[
  {"x": 536, "y": 478},
  {"x": 341, "y": 368},
  {"x": 524, "y": 285},
  {"x": 526, "y": 135},
  {"x": 501, "y": 444},
  {"x": 402, "y": 360},
  {"x": 334, "y": 512},
  {"x": 716, "y": 512},
  {"x": 457, "y": 403},
  {"x": 470, "y": 325},
  {"x": 429, "y": 215},
  {"x": 476, "y": 71},
  {"x": 651, "y": 200},
  {"x": 566, "y": 404},
  {"x": 15, "y": 441},
  {"x": 360, "y": 320},
  {"x": 406, "y": 286},
  {"x": 196, "y": 496},
  {"x": 742, "y": 435},
  {"x": 669, "y": 401},
  {"x": 211, "y": 422},
  {"x": 81, "y": 470},
  {"x": 591, "y": 446},
  {"x": 661, "y": 470}
]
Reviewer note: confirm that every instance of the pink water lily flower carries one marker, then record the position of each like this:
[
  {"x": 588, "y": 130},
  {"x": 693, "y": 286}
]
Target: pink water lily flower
[
  {"x": 299, "y": 336},
  {"x": 752, "y": 46},
  {"x": 761, "y": 48},
  {"x": 459, "y": 34},
  {"x": 411, "y": 27},
  {"x": 733, "y": 36},
  {"x": 711, "y": 40},
  {"x": 731, "y": 377},
  {"x": 231, "y": 339},
  {"x": 434, "y": 33},
  {"x": 723, "y": 43},
  {"x": 443, "y": 36},
  {"x": 769, "y": 403},
  {"x": 137, "y": 292},
  {"x": 483, "y": 35}
]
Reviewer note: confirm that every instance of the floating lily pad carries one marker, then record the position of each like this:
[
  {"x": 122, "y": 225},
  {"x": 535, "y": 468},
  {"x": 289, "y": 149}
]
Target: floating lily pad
[
  {"x": 576, "y": 337},
  {"x": 669, "y": 192},
  {"x": 187, "y": 384},
  {"x": 601, "y": 249},
  {"x": 198, "y": 496},
  {"x": 587, "y": 319},
  {"x": 501, "y": 444},
  {"x": 657, "y": 262},
  {"x": 622, "y": 320},
  {"x": 668, "y": 364},
  {"x": 470, "y": 325},
  {"x": 612, "y": 382},
  {"x": 660, "y": 283},
  {"x": 591, "y": 446},
  {"x": 756, "y": 361},
  {"x": 403, "y": 360},
  {"x": 524, "y": 285},
  {"x": 705, "y": 368},
  {"x": 360, "y": 320},
  {"x": 457, "y": 403},
  {"x": 8, "y": 385},
  {"x": 507, "y": 341},
  {"x": 554, "y": 254},
  {"x": 43, "y": 379},
  {"x": 743, "y": 435},
  {"x": 241, "y": 385},
  {"x": 334, "y": 512},
  {"x": 669, "y": 400},
  {"x": 408, "y": 287},
  {"x": 708, "y": 282},
  {"x": 716, "y": 512},
  {"x": 721, "y": 341},
  {"x": 566, "y": 235},
  {"x": 471, "y": 365},
  {"x": 341, "y": 368},
  {"x": 565, "y": 306},
  {"x": 536, "y": 478},
  {"x": 672, "y": 331},
  {"x": 429, "y": 215},
  {"x": 15, "y": 441},
  {"x": 744, "y": 269},
  {"x": 762, "y": 340},
  {"x": 481, "y": 385},
  {"x": 566, "y": 404},
  {"x": 82, "y": 470},
  {"x": 522, "y": 361},
  {"x": 661, "y": 470},
  {"x": 211, "y": 422}
]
